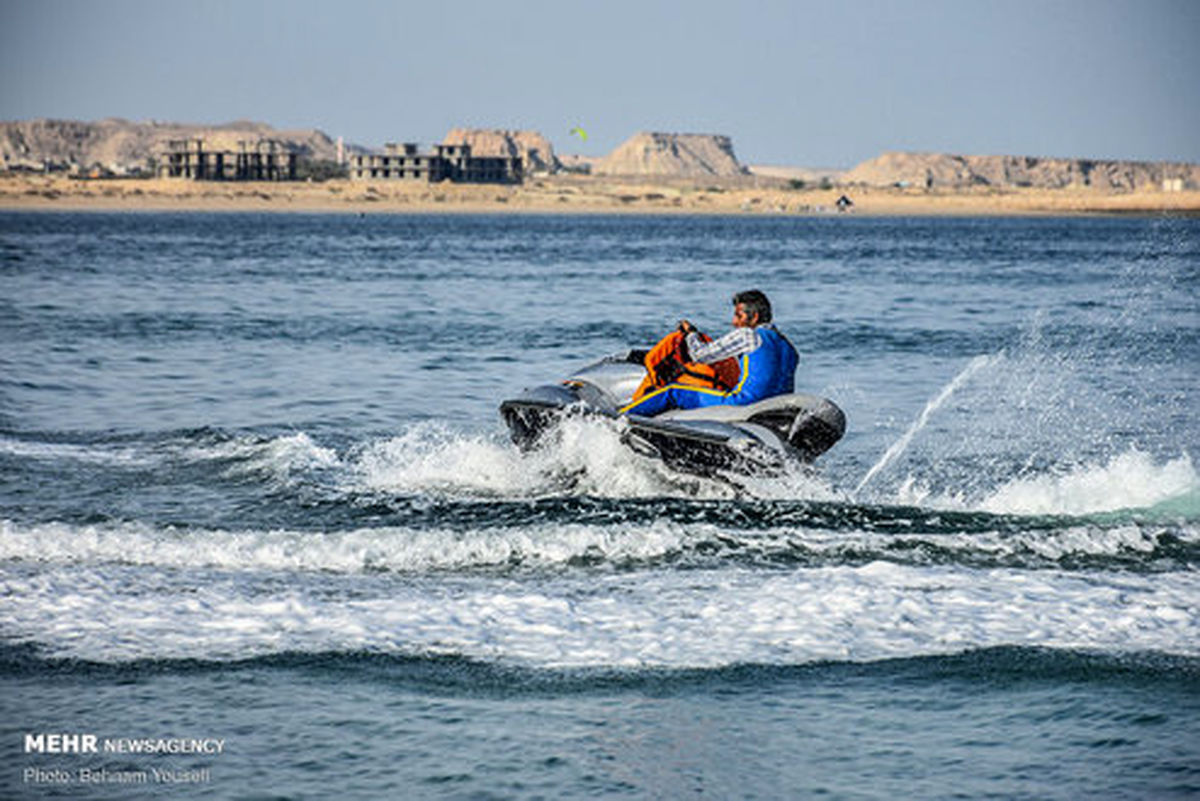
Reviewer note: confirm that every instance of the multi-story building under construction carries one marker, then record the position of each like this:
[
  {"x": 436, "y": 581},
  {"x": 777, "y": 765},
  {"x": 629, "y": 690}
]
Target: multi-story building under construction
[
  {"x": 259, "y": 160},
  {"x": 404, "y": 162}
]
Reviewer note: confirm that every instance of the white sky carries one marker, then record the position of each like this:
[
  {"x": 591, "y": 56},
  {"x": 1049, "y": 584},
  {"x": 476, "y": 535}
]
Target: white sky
[{"x": 828, "y": 83}]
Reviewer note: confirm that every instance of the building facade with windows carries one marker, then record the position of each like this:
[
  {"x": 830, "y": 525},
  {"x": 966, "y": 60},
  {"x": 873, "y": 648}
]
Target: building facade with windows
[
  {"x": 261, "y": 160},
  {"x": 405, "y": 162}
]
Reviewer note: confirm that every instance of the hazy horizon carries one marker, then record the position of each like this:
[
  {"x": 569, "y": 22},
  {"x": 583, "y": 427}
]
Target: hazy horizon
[{"x": 791, "y": 83}]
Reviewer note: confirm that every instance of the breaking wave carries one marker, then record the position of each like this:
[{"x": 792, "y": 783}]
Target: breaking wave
[
  {"x": 543, "y": 537},
  {"x": 1129, "y": 481}
]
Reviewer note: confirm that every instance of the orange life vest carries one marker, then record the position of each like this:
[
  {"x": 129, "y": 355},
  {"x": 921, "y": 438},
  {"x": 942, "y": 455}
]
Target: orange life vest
[{"x": 665, "y": 364}]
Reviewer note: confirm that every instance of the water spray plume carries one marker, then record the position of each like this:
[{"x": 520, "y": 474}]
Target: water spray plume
[{"x": 899, "y": 446}]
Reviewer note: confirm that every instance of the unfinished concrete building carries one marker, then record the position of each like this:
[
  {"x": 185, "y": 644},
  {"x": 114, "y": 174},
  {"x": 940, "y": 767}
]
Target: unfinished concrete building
[
  {"x": 404, "y": 162},
  {"x": 259, "y": 160}
]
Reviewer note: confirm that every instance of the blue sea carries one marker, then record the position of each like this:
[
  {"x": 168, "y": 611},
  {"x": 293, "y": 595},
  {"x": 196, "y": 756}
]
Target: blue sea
[{"x": 263, "y": 534}]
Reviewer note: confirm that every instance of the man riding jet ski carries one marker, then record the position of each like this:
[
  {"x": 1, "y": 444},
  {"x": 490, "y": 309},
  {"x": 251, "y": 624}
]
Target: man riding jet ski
[
  {"x": 701, "y": 406},
  {"x": 764, "y": 364}
]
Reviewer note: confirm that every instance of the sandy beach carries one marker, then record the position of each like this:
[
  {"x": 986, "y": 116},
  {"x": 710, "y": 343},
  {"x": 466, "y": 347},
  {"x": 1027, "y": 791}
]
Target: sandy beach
[{"x": 564, "y": 194}]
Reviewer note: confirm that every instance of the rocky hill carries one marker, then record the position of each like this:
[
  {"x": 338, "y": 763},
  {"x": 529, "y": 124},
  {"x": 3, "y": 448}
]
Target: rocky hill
[
  {"x": 942, "y": 171},
  {"x": 669, "y": 154},
  {"x": 535, "y": 150},
  {"x": 121, "y": 146}
]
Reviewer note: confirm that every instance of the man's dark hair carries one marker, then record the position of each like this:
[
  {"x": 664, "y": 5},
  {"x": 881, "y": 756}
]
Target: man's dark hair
[{"x": 756, "y": 303}]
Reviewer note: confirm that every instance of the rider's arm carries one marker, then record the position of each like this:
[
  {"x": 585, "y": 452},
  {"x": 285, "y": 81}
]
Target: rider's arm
[{"x": 730, "y": 346}]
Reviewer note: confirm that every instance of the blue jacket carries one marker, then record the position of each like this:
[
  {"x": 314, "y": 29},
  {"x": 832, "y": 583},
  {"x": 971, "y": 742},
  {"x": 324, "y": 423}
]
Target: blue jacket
[{"x": 768, "y": 370}]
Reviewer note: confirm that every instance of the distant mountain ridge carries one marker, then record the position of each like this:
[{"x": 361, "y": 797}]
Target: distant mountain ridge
[
  {"x": 944, "y": 171},
  {"x": 121, "y": 145},
  {"x": 672, "y": 154}
]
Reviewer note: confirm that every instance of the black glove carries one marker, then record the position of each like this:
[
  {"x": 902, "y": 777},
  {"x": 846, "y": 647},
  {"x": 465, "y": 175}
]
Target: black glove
[{"x": 667, "y": 371}]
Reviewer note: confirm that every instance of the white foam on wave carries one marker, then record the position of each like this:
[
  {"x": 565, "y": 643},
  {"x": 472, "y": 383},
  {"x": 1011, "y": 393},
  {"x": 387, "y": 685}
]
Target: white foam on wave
[
  {"x": 551, "y": 546},
  {"x": 119, "y": 456},
  {"x": 676, "y": 619},
  {"x": 1131, "y": 480},
  {"x": 279, "y": 457},
  {"x": 430, "y": 457},
  {"x": 587, "y": 457},
  {"x": 1034, "y": 547},
  {"x": 398, "y": 549},
  {"x": 1128, "y": 481}
]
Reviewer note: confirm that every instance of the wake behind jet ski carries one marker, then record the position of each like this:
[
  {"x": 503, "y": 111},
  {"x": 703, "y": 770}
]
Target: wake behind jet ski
[{"x": 702, "y": 406}]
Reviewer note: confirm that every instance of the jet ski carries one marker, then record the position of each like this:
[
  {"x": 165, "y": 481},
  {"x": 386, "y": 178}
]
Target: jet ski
[{"x": 759, "y": 439}]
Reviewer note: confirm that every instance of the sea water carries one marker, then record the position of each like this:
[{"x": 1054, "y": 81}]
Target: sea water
[{"x": 254, "y": 489}]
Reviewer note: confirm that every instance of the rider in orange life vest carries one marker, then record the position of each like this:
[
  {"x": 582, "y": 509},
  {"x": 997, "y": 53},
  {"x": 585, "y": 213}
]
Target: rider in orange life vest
[{"x": 767, "y": 362}]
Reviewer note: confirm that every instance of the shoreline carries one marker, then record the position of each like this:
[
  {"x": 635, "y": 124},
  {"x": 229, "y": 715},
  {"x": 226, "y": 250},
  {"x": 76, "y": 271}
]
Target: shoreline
[{"x": 568, "y": 195}]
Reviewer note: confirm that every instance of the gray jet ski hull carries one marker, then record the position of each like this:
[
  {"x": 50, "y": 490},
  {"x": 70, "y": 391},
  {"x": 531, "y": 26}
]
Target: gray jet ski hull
[{"x": 757, "y": 439}]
